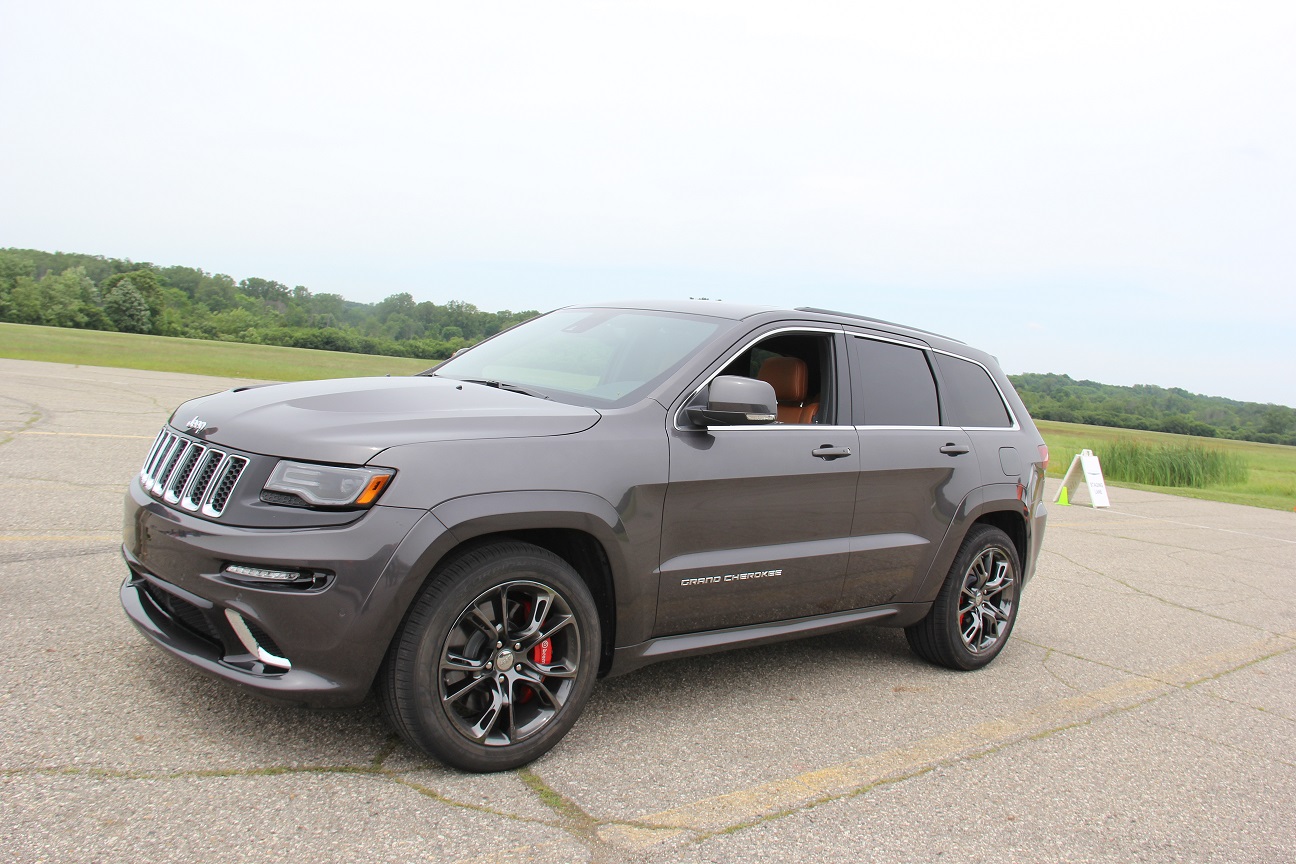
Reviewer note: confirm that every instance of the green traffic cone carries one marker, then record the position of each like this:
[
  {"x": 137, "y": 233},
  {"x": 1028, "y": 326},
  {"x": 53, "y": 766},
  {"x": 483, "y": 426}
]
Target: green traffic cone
[{"x": 1063, "y": 498}]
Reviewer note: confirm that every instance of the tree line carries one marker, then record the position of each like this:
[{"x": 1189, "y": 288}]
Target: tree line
[
  {"x": 1160, "y": 409},
  {"x": 60, "y": 289}
]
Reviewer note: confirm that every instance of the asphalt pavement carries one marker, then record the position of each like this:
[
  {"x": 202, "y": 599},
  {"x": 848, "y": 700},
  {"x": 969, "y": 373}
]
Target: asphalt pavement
[{"x": 1144, "y": 710}]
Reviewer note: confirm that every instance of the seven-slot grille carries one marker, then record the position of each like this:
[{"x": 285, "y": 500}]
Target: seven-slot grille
[{"x": 191, "y": 474}]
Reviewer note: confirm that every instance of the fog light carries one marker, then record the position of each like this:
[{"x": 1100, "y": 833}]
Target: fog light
[{"x": 261, "y": 574}]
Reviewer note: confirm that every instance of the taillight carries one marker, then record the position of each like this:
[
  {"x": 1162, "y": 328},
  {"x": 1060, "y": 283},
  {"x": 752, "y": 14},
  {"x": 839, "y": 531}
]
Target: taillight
[{"x": 1043, "y": 451}]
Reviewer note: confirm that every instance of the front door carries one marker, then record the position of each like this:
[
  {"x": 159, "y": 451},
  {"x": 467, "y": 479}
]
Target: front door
[{"x": 757, "y": 520}]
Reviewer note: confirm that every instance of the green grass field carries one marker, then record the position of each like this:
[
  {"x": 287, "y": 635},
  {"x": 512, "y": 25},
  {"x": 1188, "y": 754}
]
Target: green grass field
[
  {"x": 195, "y": 356},
  {"x": 1270, "y": 468},
  {"x": 1270, "y": 476}
]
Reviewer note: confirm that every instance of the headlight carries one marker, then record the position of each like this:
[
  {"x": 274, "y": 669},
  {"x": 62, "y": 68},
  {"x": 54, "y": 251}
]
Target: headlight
[{"x": 329, "y": 486}]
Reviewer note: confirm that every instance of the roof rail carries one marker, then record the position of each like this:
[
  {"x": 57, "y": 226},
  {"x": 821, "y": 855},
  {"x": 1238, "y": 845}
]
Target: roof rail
[{"x": 876, "y": 321}]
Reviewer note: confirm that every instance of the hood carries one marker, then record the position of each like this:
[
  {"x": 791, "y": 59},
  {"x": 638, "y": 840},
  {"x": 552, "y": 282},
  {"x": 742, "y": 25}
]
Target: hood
[{"x": 349, "y": 420}]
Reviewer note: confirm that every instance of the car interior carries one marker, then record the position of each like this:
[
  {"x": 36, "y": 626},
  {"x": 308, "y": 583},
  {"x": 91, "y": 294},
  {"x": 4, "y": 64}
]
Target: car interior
[{"x": 794, "y": 364}]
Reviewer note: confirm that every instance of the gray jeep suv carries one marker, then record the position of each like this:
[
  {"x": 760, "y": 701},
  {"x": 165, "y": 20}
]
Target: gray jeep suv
[{"x": 596, "y": 489}]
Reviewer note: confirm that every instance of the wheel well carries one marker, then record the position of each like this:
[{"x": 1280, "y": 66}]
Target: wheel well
[
  {"x": 585, "y": 555},
  {"x": 1011, "y": 524}
]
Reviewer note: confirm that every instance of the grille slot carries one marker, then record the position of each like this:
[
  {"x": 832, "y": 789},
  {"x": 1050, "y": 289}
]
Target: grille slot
[
  {"x": 184, "y": 470},
  {"x": 183, "y": 612},
  {"x": 223, "y": 484},
  {"x": 201, "y": 479}
]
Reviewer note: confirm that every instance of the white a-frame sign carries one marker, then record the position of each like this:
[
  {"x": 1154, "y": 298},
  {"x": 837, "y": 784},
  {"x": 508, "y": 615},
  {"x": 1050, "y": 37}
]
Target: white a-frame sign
[{"x": 1085, "y": 465}]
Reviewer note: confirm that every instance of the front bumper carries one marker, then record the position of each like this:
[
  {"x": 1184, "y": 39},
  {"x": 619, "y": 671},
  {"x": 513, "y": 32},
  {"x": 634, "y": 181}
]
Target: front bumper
[{"x": 320, "y": 644}]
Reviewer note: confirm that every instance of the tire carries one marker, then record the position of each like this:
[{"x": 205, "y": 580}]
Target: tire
[
  {"x": 495, "y": 659},
  {"x": 975, "y": 610}
]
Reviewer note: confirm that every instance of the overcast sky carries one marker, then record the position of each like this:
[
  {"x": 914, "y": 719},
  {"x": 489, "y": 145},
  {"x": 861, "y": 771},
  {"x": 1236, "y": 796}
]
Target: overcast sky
[{"x": 1105, "y": 190}]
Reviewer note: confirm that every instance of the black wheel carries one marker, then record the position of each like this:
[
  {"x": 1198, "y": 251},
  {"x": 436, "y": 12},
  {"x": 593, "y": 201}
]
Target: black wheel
[
  {"x": 974, "y": 612},
  {"x": 495, "y": 660}
]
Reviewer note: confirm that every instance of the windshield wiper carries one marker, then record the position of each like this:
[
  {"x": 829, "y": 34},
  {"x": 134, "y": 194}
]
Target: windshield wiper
[{"x": 504, "y": 385}]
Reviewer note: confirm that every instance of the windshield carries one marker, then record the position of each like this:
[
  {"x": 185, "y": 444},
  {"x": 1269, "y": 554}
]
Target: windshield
[{"x": 586, "y": 356}]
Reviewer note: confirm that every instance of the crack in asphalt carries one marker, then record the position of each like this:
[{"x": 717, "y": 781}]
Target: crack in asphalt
[
  {"x": 1048, "y": 670},
  {"x": 1157, "y": 597},
  {"x": 1193, "y": 526},
  {"x": 30, "y": 410}
]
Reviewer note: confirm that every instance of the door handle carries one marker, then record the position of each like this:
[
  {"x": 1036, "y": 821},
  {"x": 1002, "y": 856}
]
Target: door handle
[
  {"x": 827, "y": 452},
  {"x": 954, "y": 449}
]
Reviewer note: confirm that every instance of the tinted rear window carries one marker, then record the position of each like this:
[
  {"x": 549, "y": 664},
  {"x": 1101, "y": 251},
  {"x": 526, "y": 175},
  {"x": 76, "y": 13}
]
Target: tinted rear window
[
  {"x": 894, "y": 385},
  {"x": 971, "y": 397}
]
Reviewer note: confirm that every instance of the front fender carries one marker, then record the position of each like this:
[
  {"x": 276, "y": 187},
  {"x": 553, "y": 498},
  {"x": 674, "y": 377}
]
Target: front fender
[{"x": 631, "y": 558}]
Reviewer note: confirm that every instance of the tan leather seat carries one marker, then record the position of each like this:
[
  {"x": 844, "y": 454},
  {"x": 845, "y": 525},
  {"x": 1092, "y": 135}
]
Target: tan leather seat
[{"x": 790, "y": 379}]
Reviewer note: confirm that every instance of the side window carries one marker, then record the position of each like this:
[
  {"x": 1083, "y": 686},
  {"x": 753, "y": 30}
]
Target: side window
[
  {"x": 800, "y": 368},
  {"x": 893, "y": 385},
  {"x": 971, "y": 397}
]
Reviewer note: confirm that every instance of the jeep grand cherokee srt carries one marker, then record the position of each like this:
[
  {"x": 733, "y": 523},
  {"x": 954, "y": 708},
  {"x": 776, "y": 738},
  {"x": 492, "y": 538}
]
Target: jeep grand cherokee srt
[{"x": 596, "y": 489}]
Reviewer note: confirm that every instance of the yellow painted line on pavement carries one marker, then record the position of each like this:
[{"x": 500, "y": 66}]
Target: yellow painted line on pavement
[
  {"x": 75, "y": 434},
  {"x": 746, "y": 806}
]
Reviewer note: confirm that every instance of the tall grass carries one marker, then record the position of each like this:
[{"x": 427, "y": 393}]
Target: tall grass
[{"x": 1191, "y": 466}]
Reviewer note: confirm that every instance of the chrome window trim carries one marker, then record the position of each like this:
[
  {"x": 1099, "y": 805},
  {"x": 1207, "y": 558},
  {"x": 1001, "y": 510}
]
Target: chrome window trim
[
  {"x": 675, "y": 421},
  {"x": 911, "y": 428},
  {"x": 764, "y": 426},
  {"x": 1012, "y": 415},
  {"x": 921, "y": 346}
]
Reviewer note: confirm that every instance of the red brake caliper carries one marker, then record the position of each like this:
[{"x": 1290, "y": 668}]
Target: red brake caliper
[{"x": 542, "y": 653}]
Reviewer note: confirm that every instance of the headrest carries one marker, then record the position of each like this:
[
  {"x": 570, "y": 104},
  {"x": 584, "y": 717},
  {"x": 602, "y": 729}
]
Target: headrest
[{"x": 788, "y": 376}]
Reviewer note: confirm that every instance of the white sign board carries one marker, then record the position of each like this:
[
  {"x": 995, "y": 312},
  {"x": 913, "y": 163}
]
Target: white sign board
[{"x": 1085, "y": 466}]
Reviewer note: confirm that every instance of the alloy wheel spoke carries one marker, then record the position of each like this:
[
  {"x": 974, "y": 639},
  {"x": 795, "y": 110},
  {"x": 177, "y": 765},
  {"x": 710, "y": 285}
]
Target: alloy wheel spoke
[
  {"x": 534, "y": 676},
  {"x": 462, "y": 688},
  {"x": 478, "y": 619},
  {"x": 989, "y": 624},
  {"x": 543, "y": 693},
  {"x": 1000, "y": 575},
  {"x": 490, "y": 717},
  {"x": 453, "y": 662},
  {"x": 541, "y": 606},
  {"x": 512, "y": 713},
  {"x": 995, "y": 590},
  {"x": 554, "y": 625},
  {"x": 556, "y": 670}
]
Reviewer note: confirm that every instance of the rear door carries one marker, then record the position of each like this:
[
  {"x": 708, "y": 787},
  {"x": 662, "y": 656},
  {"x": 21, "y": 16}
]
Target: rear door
[
  {"x": 757, "y": 519},
  {"x": 973, "y": 402},
  {"x": 915, "y": 471}
]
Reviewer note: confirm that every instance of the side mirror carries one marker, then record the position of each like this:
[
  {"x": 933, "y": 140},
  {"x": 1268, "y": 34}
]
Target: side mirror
[{"x": 736, "y": 401}]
